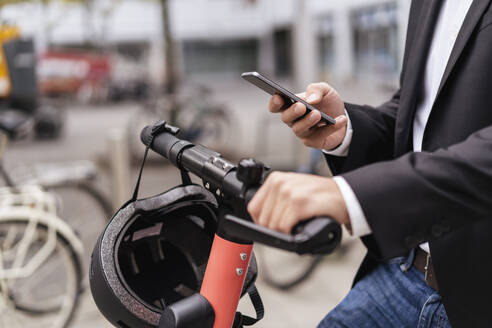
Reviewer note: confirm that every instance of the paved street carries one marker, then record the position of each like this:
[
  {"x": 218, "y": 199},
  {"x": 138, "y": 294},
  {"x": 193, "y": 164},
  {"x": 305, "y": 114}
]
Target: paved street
[{"x": 85, "y": 138}]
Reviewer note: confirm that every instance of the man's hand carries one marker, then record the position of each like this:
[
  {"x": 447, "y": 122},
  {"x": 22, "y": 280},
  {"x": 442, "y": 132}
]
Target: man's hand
[
  {"x": 285, "y": 199},
  {"x": 324, "y": 97}
]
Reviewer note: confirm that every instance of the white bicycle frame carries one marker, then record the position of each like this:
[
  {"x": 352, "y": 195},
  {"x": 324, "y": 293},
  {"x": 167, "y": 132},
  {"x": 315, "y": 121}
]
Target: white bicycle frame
[
  {"x": 31, "y": 205},
  {"x": 37, "y": 207},
  {"x": 54, "y": 174}
]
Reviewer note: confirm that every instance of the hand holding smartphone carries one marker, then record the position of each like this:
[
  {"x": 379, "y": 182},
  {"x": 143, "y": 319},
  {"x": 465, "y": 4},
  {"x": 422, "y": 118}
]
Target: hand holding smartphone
[{"x": 290, "y": 98}]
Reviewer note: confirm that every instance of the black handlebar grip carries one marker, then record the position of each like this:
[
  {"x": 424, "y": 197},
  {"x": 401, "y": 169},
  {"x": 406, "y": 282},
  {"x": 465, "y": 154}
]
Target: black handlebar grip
[
  {"x": 320, "y": 235},
  {"x": 162, "y": 144},
  {"x": 145, "y": 134},
  {"x": 165, "y": 144},
  {"x": 317, "y": 236}
]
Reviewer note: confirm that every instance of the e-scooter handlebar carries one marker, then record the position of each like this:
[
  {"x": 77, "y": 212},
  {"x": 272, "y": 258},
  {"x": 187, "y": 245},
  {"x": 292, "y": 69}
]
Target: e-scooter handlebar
[{"x": 237, "y": 185}]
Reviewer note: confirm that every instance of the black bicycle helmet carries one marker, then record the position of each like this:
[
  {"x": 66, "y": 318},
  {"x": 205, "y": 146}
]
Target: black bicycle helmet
[{"x": 153, "y": 253}]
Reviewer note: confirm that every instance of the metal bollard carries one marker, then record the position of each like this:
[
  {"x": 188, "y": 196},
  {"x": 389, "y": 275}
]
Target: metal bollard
[{"x": 119, "y": 164}]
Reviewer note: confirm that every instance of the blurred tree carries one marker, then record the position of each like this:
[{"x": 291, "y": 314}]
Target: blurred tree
[
  {"x": 171, "y": 78},
  {"x": 171, "y": 81}
]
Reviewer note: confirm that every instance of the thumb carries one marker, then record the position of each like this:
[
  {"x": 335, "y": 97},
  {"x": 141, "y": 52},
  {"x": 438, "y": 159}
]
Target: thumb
[
  {"x": 313, "y": 97},
  {"x": 340, "y": 122}
]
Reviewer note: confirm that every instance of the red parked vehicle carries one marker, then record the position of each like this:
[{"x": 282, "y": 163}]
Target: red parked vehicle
[{"x": 80, "y": 73}]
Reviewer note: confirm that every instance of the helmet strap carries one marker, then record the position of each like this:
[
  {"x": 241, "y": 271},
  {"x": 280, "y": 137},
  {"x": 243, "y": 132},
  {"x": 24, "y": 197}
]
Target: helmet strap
[
  {"x": 157, "y": 129},
  {"x": 185, "y": 177},
  {"x": 241, "y": 320}
]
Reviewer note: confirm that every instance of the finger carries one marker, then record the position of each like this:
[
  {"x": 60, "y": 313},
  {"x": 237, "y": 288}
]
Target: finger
[
  {"x": 319, "y": 136},
  {"x": 294, "y": 213},
  {"x": 316, "y": 91},
  {"x": 341, "y": 119},
  {"x": 256, "y": 203},
  {"x": 267, "y": 208},
  {"x": 302, "y": 127},
  {"x": 288, "y": 220},
  {"x": 301, "y": 95},
  {"x": 293, "y": 113},
  {"x": 340, "y": 122},
  {"x": 275, "y": 104},
  {"x": 281, "y": 204},
  {"x": 277, "y": 218}
]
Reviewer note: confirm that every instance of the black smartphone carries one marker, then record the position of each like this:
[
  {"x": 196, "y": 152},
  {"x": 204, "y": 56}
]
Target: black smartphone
[{"x": 289, "y": 98}]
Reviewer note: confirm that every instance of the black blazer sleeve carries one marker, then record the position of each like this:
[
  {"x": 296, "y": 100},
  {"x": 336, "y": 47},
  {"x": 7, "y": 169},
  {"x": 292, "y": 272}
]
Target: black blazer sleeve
[
  {"x": 423, "y": 196},
  {"x": 372, "y": 138}
]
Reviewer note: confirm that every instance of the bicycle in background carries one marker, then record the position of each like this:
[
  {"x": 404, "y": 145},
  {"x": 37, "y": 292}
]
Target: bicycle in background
[
  {"x": 40, "y": 254},
  {"x": 46, "y": 222},
  {"x": 202, "y": 118},
  {"x": 79, "y": 201}
]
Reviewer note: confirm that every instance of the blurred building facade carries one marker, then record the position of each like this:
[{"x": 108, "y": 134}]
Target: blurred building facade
[
  {"x": 328, "y": 39},
  {"x": 302, "y": 39}
]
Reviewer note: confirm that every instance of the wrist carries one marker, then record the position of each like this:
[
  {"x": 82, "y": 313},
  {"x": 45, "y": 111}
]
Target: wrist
[
  {"x": 342, "y": 214},
  {"x": 344, "y": 138},
  {"x": 332, "y": 203},
  {"x": 343, "y": 133}
]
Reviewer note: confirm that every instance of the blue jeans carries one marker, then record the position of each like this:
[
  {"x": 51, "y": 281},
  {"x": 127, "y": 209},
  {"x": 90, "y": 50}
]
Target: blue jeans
[{"x": 395, "y": 294}]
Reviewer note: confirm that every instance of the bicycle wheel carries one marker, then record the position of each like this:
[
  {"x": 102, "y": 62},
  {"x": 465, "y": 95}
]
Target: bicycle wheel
[
  {"x": 284, "y": 270},
  {"x": 85, "y": 209},
  {"x": 40, "y": 276},
  {"x": 211, "y": 126}
]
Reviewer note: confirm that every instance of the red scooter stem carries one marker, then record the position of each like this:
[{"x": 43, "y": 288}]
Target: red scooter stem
[{"x": 224, "y": 278}]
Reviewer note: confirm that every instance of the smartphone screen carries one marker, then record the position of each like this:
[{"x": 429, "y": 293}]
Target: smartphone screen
[{"x": 290, "y": 98}]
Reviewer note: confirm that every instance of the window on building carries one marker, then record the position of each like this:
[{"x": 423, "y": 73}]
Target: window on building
[
  {"x": 220, "y": 57},
  {"x": 326, "y": 47},
  {"x": 375, "y": 37},
  {"x": 282, "y": 48}
]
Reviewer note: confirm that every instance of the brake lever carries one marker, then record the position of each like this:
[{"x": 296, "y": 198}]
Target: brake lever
[{"x": 320, "y": 235}]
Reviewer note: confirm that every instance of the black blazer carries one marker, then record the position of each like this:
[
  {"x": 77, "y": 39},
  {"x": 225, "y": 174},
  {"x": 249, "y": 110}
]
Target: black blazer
[{"x": 444, "y": 193}]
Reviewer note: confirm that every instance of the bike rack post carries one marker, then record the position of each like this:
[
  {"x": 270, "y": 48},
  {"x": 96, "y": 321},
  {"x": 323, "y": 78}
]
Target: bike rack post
[{"x": 119, "y": 163}]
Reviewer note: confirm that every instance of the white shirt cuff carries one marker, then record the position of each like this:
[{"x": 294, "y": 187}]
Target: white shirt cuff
[
  {"x": 358, "y": 220},
  {"x": 343, "y": 149}
]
